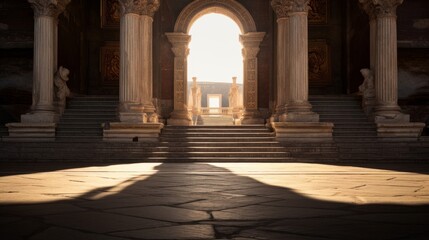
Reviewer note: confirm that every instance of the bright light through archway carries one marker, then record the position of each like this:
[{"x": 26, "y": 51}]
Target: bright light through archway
[{"x": 215, "y": 50}]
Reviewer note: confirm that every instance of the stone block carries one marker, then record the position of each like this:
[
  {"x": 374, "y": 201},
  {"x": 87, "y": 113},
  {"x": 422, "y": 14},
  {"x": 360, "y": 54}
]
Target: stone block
[
  {"x": 133, "y": 117},
  {"x": 40, "y": 117},
  {"x": 31, "y": 132},
  {"x": 303, "y": 131},
  {"x": 400, "y": 130},
  {"x": 127, "y": 132}
]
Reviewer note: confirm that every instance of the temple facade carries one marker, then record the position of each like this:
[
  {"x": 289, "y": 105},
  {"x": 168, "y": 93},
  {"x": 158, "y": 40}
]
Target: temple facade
[{"x": 292, "y": 50}]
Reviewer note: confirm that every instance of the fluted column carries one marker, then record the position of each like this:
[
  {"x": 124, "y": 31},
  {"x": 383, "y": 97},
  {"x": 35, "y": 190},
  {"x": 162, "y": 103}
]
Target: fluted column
[
  {"x": 251, "y": 42},
  {"x": 282, "y": 9},
  {"x": 368, "y": 6},
  {"x": 44, "y": 67},
  {"x": 146, "y": 78},
  {"x": 298, "y": 107},
  {"x": 136, "y": 58},
  {"x": 180, "y": 115},
  {"x": 386, "y": 62}
]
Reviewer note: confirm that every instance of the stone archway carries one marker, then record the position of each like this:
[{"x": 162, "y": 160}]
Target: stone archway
[{"x": 250, "y": 39}]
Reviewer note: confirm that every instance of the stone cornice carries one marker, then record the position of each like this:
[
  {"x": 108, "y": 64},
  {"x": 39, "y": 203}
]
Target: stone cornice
[
  {"x": 180, "y": 42},
  {"x": 49, "y": 8},
  {"x": 141, "y": 7},
  {"x": 251, "y": 43}
]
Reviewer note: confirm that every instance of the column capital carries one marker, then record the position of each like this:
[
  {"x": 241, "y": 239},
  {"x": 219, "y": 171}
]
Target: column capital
[
  {"x": 49, "y": 8},
  {"x": 251, "y": 42},
  {"x": 281, "y": 8},
  {"x": 141, "y": 7},
  {"x": 180, "y": 42},
  {"x": 380, "y": 8},
  {"x": 298, "y": 5}
]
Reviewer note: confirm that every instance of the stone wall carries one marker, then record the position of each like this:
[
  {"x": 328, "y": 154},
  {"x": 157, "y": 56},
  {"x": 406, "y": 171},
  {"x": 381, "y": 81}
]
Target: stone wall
[{"x": 16, "y": 58}]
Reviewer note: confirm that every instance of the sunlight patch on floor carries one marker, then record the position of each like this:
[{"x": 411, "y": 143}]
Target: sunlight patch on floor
[
  {"x": 346, "y": 184},
  {"x": 89, "y": 182}
]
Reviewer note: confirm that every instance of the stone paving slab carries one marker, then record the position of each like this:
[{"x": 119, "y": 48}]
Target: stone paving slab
[{"x": 214, "y": 201}]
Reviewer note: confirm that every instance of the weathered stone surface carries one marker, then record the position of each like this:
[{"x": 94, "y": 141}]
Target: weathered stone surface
[
  {"x": 173, "y": 232},
  {"x": 243, "y": 201},
  {"x": 164, "y": 213}
]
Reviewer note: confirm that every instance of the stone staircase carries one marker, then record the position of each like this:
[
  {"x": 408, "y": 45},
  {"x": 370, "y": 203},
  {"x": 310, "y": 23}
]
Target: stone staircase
[
  {"x": 79, "y": 138},
  {"x": 356, "y": 136},
  {"x": 222, "y": 143},
  {"x": 83, "y": 117},
  {"x": 346, "y": 114},
  {"x": 218, "y": 120}
]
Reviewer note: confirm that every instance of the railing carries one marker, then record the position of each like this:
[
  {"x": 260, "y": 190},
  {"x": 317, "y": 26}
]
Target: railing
[{"x": 216, "y": 111}]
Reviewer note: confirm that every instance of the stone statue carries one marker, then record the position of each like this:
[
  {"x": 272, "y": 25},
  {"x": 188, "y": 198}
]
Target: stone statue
[
  {"x": 367, "y": 90},
  {"x": 233, "y": 94},
  {"x": 61, "y": 89}
]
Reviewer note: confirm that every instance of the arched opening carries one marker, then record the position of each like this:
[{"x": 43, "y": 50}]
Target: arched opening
[
  {"x": 250, "y": 40},
  {"x": 215, "y": 71}
]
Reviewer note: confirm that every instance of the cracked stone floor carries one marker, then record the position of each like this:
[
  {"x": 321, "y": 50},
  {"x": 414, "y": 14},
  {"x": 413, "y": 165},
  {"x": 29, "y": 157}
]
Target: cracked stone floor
[{"x": 214, "y": 201}]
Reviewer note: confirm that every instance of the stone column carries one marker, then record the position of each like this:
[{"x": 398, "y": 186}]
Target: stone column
[
  {"x": 391, "y": 122},
  {"x": 298, "y": 107},
  {"x": 146, "y": 69},
  {"x": 386, "y": 63},
  {"x": 282, "y": 9},
  {"x": 45, "y": 29},
  {"x": 138, "y": 120},
  {"x": 131, "y": 108},
  {"x": 251, "y": 42},
  {"x": 180, "y": 115},
  {"x": 296, "y": 122}
]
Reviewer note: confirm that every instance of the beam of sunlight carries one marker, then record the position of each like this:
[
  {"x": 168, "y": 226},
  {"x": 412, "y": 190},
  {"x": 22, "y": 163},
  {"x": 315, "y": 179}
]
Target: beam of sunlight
[
  {"x": 343, "y": 184},
  {"x": 215, "y": 50},
  {"x": 43, "y": 187}
]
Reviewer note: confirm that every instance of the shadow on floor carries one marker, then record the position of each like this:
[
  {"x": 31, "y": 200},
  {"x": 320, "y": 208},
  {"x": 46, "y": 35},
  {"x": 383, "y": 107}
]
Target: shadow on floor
[{"x": 202, "y": 201}]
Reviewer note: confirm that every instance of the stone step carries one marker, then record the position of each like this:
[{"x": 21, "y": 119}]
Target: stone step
[
  {"x": 217, "y": 139},
  {"x": 354, "y": 133},
  {"x": 89, "y": 119},
  {"x": 215, "y": 130},
  {"x": 217, "y": 134},
  {"x": 92, "y": 105}
]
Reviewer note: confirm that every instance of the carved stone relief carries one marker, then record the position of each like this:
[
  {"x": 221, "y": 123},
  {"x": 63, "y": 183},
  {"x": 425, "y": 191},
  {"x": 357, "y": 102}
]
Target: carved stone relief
[
  {"x": 318, "y": 13},
  {"x": 319, "y": 65},
  {"x": 109, "y": 63},
  {"x": 110, "y": 13}
]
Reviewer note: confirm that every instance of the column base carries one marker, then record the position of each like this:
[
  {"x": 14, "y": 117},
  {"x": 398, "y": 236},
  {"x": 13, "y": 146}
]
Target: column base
[
  {"x": 40, "y": 117},
  {"x": 34, "y": 132},
  {"x": 303, "y": 131},
  {"x": 402, "y": 131},
  {"x": 251, "y": 117},
  {"x": 397, "y": 117},
  {"x": 133, "y": 117},
  {"x": 299, "y": 117},
  {"x": 179, "y": 118},
  {"x": 131, "y": 132}
]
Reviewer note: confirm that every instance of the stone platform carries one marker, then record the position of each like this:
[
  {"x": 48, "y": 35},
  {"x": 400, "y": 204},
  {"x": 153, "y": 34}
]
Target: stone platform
[{"x": 214, "y": 201}]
